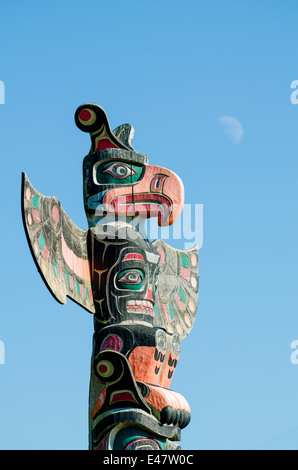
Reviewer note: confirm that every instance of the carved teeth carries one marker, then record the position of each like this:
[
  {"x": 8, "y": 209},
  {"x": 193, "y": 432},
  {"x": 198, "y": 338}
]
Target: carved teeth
[
  {"x": 140, "y": 306},
  {"x": 144, "y": 303}
]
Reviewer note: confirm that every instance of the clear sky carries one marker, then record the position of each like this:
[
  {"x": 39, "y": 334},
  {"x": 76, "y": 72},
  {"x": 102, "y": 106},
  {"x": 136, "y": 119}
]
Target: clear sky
[{"x": 207, "y": 87}]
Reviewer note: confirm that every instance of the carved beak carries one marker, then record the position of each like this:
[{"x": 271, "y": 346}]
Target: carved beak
[{"x": 160, "y": 194}]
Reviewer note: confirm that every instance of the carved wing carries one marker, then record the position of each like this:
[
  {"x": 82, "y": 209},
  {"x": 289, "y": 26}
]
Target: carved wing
[
  {"x": 58, "y": 247},
  {"x": 177, "y": 288}
]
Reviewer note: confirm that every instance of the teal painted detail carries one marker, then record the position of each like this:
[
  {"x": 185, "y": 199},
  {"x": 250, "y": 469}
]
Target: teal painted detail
[
  {"x": 78, "y": 287},
  {"x": 127, "y": 436},
  {"x": 87, "y": 293},
  {"x": 171, "y": 311},
  {"x": 120, "y": 173},
  {"x": 35, "y": 201},
  {"x": 55, "y": 269},
  {"x": 67, "y": 277},
  {"x": 155, "y": 311},
  {"x": 185, "y": 261},
  {"x": 182, "y": 295},
  {"x": 41, "y": 242},
  {"x": 130, "y": 279}
]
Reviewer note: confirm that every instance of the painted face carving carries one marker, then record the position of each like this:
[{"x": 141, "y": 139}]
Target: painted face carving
[
  {"x": 105, "y": 170},
  {"x": 125, "y": 280},
  {"x": 134, "y": 283},
  {"x": 119, "y": 183}
]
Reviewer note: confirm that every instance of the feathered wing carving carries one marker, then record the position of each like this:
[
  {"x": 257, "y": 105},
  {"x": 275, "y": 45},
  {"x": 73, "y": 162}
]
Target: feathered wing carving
[
  {"x": 58, "y": 247},
  {"x": 177, "y": 288}
]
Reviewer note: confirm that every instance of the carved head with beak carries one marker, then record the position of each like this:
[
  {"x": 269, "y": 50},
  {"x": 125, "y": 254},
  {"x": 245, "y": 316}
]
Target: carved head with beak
[{"x": 118, "y": 182}]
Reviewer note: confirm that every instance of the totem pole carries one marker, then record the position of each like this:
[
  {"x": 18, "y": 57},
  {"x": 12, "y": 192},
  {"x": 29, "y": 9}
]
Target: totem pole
[{"x": 143, "y": 295}]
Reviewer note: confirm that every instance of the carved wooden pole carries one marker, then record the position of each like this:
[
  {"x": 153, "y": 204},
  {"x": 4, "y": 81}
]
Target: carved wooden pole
[{"x": 143, "y": 294}]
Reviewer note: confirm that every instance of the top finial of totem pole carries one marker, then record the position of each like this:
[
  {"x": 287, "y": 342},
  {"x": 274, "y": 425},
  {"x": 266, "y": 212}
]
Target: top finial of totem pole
[{"x": 92, "y": 118}]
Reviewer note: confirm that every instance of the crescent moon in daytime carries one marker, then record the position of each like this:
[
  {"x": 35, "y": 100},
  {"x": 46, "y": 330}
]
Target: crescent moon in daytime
[{"x": 232, "y": 128}]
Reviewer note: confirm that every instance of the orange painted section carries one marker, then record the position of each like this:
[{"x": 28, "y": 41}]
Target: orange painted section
[
  {"x": 168, "y": 371},
  {"x": 143, "y": 364},
  {"x": 99, "y": 402},
  {"x": 160, "y": 397}
]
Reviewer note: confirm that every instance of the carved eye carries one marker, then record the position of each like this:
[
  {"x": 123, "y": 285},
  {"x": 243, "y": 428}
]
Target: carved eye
[
  {"x": 119, "y": 171},
  {"x": 130, "y": 279},
  {"x": 105, "y": 368}
]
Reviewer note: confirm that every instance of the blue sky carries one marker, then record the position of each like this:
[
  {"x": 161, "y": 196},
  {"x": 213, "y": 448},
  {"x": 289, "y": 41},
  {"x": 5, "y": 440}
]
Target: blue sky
[{"x": 171, "y": 69}]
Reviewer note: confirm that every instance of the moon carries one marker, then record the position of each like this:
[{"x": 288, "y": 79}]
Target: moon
[{"x": 232, "y": 128}]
